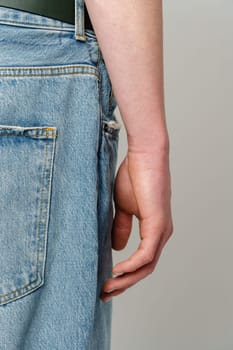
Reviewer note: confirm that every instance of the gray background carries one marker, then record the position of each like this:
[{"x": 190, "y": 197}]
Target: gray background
[{"x": 186, "y": 303}]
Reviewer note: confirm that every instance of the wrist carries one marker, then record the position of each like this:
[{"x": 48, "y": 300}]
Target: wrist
[{"x": 149, "y": 142}]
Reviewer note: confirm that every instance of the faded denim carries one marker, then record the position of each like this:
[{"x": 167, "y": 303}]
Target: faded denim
[{"x": 58, "y": 152}]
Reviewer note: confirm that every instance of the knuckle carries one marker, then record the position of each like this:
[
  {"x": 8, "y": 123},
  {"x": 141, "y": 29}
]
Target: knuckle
[
  {"x": 169, "y": 234},
  {"x": 171, "y": 231},
  {"x": 151, "y": 269},
  {"x": 148, "y": 257}
]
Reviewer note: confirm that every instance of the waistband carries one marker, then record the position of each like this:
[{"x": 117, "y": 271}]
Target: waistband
[{"x": 17, "y": 17}]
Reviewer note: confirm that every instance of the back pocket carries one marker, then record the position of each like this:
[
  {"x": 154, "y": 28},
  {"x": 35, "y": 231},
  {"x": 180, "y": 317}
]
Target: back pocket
[{"x": 26, "y": 163}]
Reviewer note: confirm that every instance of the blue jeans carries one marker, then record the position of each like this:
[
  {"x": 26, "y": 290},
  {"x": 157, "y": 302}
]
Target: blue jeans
[{"x": 58, "y": 151}]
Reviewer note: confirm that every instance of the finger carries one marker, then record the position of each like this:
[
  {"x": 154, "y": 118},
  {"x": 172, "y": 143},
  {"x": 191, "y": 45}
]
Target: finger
[
  {"x": 121, "y": 228},
  {"x": 129, "y": 279},
  {"x": 107, "y": 296},
  {"x": 143, "y": 256}
]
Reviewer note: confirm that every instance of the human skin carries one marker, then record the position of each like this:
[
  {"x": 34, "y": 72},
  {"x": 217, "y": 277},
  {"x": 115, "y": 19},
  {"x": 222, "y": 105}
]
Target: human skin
[{"x": 130, "y": 35}]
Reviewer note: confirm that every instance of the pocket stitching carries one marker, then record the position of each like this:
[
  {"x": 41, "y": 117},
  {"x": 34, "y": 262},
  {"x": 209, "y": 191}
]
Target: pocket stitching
[{"x": 41, "y": 241}]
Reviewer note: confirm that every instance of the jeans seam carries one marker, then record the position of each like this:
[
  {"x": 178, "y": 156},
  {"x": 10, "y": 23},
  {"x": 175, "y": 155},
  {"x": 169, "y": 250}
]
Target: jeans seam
[
  {"x": 100, "y": 96},
  {"x": 35, "y": 26},
  {"x": 42, "y": 70}
]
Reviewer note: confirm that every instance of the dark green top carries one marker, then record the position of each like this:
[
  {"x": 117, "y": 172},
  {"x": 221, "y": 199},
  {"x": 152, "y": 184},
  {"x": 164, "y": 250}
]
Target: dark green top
[{"x": 58, "y": 9}]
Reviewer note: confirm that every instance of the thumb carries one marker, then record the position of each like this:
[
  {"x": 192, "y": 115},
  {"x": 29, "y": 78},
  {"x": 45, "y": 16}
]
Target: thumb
[{"x": 121, "y": 228}]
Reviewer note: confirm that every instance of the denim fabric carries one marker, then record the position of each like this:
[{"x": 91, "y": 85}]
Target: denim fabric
[{"x": 58, "y": 152}]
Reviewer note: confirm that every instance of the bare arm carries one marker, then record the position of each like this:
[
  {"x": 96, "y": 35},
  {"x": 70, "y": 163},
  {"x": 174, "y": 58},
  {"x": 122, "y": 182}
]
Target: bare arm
[{"x": 130, "y": 36}]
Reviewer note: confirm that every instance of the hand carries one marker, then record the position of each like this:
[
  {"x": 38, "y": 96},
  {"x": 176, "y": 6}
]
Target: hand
[{"x": 142, "y": 188}]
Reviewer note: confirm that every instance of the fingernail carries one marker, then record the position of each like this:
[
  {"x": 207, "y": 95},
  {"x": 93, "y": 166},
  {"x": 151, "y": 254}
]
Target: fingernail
[
  {"x": 105, "y": 297},
  {"x": 117, "y": 274},
  {"x": 109, "y": 291}
]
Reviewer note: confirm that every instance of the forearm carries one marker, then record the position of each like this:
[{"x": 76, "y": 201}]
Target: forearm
[{"x": 131, "y": 40}]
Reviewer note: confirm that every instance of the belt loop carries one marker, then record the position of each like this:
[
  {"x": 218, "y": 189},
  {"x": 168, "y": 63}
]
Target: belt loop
[{"x": 80, "y": 20}]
